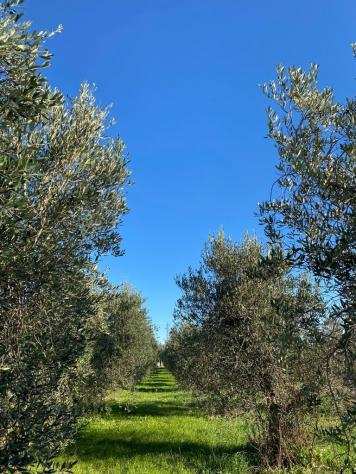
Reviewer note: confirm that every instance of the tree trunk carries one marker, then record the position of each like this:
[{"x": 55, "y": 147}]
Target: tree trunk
[{"x": 274, "y": 438}]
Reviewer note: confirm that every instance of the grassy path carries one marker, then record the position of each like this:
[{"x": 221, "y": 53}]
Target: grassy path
[{"x": 155, "y": 429}]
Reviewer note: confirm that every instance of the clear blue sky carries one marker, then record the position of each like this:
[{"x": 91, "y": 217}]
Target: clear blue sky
[{"x": 183, "y": 76}]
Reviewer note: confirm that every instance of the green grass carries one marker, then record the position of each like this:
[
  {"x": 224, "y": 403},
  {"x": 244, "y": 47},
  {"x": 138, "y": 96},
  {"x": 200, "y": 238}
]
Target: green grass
[{"x": 156, "y": 429}]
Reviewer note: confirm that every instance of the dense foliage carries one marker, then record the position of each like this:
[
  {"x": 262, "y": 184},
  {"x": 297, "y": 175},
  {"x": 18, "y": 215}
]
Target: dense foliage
[
  {"x": 61, "y": 198},
  {"x": 247, "y": 335},
  {"x": 121, "y": 347},
  {"x": 312, "y": 209}
]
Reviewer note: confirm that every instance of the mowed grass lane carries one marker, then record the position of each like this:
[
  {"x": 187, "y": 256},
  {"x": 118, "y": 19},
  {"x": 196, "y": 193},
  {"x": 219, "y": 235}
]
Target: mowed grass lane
[{"x": 156, "y": 429}]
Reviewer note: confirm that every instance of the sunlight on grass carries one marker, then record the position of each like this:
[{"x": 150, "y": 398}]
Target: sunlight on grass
[{"x": 156, "y": 429}]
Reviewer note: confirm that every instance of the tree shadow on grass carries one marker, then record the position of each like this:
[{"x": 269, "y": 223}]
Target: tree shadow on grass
[
  {"x": 156, "y": 409},
  {"x": 156, "y": 386},
  {"x": 156, "y": 389},
  {"x": 103, "y": 444},
  {"x": 159, "y": 378},
  {"x": 95, "y": 447},
  {"x": 156, "y": 383}
]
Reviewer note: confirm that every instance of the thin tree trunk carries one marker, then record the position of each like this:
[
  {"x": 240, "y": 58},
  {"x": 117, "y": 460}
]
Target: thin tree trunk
[{"x": 274, "y": 441}]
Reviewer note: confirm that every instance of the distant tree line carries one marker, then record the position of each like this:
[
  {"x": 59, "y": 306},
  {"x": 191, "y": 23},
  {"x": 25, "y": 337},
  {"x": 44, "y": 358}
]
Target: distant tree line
[
  {"x": 66, "y": 334},
  {"x": 270, "y": 331}
]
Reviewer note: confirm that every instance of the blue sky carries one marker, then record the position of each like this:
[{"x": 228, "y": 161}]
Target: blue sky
[{"x": 183, "y": 77}]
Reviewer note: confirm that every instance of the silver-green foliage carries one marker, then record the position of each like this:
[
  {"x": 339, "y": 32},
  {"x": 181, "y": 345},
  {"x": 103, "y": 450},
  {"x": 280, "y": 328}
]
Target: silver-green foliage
[
  {"x": 121, "y": 347},
  {"x": 61, "y": 197},
  {"x": 247, "y": 338},
  {"x": 312, "y": 208}
]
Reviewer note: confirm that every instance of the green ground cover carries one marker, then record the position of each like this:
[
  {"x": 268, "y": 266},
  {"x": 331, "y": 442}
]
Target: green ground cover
[{"x": 157, "y": 429}]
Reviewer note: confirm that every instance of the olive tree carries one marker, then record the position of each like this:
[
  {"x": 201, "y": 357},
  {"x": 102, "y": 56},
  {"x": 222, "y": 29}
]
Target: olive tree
[
  {"x": 248, "y": 335},
  {"x": 61, "y": 198},
  {"x": 312, "y": 207},
  {"x": 121, "y": 347}
]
